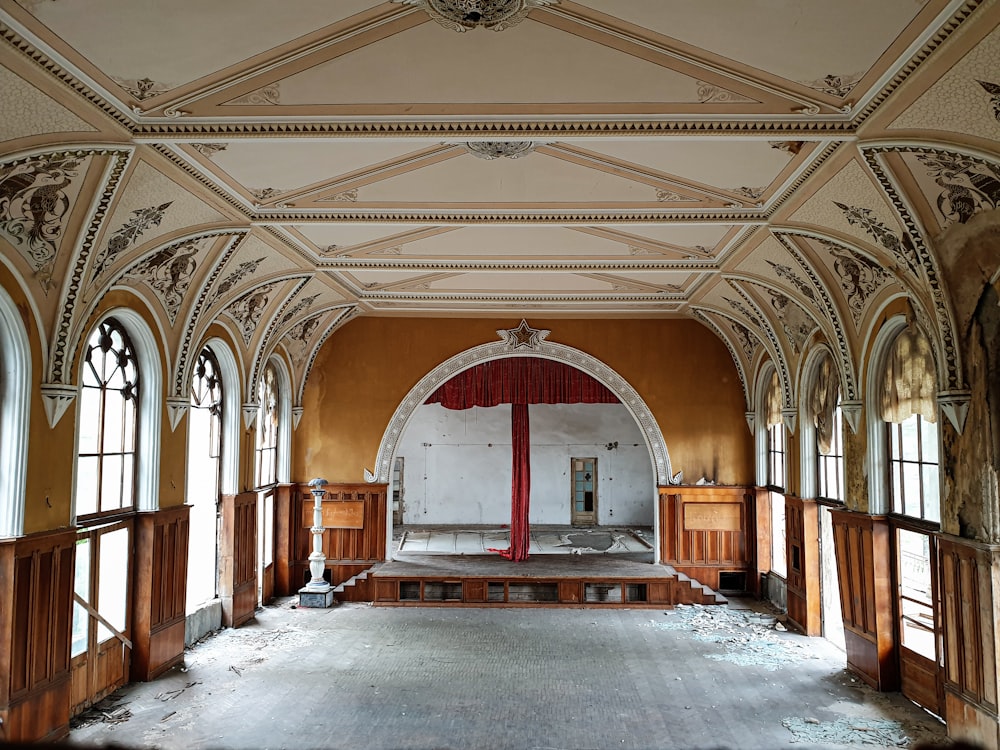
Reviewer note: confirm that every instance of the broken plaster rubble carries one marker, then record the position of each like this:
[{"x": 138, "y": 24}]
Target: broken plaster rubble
[{"x": 754, "y": 639}]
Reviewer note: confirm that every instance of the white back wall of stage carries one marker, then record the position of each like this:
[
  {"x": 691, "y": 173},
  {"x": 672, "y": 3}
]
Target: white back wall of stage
[{"x": 457, "y": 464}]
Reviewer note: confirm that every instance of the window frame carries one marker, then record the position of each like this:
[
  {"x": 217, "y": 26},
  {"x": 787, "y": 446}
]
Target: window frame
[{"x": 131, "y": 395}]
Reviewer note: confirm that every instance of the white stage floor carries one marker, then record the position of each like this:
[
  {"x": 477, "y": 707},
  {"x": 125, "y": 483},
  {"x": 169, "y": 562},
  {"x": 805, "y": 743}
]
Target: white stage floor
[{"x": 545, "y": 540}]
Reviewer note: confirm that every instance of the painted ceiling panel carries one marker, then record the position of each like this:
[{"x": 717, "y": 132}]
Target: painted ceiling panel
[
  {"x": 529, "y": 63},
  {"x": 524, "y": 282},
  {"x": 728, "y": 165},
  {"x": 283, "y": 165},
  {"x": 534, "y": 178},
  {"x": 676, "y": 234},
  {"x": 802, "y": 40},
  {"x": 472, "y": 242},
  {"x": 346, "y": 236},
  {"x": 172, "y": 43}
]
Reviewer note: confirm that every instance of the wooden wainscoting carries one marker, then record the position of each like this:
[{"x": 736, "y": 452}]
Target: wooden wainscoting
[
  {"x": 160, "y": 591},
  {"x": 349, "y": 549},
  {"x": 803, "y": 590},
  {"x": 970, "y": 601},
  {"x": 285, "y": 528},
  {"x": 36, "y": 606},
  {"x": 238, "y": 558},
  {"x": 864, "y": 570},
  {"x": 704, "y": 533}
]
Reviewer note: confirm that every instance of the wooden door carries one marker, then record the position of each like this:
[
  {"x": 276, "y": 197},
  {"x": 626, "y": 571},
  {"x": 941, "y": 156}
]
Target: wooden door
[
  {"x": 583, "y": 502},
  {"x": 265, "y": 551},
  {"x": 238, "y": 558},
  {"x": 101, "y": 633},
  {"x": 918, "y": 618}
]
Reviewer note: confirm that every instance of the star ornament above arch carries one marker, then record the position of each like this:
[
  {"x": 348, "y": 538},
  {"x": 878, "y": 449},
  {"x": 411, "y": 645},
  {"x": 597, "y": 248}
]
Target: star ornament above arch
[{"x": 524, "y": 336}]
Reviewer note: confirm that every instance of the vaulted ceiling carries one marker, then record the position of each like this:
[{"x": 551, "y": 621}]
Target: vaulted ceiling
[{"x": 775, "y": 169}]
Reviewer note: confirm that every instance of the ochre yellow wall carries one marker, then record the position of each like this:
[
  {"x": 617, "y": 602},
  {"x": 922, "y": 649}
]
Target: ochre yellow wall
[{"x": 681, "y": 370}]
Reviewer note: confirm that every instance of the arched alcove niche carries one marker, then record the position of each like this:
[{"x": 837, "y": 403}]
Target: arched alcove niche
[{"x": 628, "y": 396}]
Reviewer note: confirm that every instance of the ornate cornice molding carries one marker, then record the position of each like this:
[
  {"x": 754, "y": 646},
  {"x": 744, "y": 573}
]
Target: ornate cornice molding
[
  {"x": 636, "y": 263},
  {"x": 204, "y": 180},
  {"x": 628, "y": 396},
  {"x": 540, "y": 217},
  {"x": 464, "y": 129}
]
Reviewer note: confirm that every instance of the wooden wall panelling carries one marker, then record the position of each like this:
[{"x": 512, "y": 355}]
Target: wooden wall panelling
[
  {"x": 803, "y": 587},
  {"x": 970, "y": 608},
  {"x": 160, "y": 591},
  {"x": 761, "y": 555},
  {"x": 705, "y": 530},
  {"x": 864, "y": 559},
  {"x": 285, "y": 525},
  {"x": 345, "y": 548},
  {"x": 238, "y": 558},
  {"x": 36, "y": 594}
]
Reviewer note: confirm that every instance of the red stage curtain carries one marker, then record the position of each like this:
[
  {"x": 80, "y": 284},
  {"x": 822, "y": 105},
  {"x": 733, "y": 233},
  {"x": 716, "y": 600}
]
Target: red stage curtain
[{"x": 520, "y": 381}]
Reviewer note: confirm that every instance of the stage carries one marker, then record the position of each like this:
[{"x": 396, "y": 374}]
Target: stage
[{"x": 567, "y": 567}]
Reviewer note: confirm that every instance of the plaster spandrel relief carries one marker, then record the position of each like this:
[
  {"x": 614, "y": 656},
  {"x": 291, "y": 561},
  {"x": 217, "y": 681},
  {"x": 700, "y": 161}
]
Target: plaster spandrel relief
[
  {"x": 27, "y": 111},
  {"x": 959, "y": 102},
  {"x": 36, "y": 198}
]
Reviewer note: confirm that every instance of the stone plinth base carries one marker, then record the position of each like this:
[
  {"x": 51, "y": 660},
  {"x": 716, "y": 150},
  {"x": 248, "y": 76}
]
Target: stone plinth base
[{"x": 315, "y": 597}]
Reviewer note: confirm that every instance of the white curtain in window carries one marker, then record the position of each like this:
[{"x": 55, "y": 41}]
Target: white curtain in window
[
  {"x": 772, "y": 402},
  {"x": 823, "y": 403},
  {"x": 909, "y": 385}
]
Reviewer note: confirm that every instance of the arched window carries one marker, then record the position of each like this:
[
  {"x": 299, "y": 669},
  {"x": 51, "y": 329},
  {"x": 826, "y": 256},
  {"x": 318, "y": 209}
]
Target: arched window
[
  {"x": 204, "y": 478},
  {"x": 826, "y": 418},
  {"x": 267, "y": 428},
  {"x": 15, "y": 390},
  {"x": 107, "y": 434},
  {"x": 909, "y": 409},
  {"x": 775, "y": 434}
]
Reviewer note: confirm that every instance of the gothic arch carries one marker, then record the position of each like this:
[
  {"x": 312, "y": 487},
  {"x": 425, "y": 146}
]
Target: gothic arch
[
  {"x": 628, "y": 396},
  {"x": 15, "y": 391}
]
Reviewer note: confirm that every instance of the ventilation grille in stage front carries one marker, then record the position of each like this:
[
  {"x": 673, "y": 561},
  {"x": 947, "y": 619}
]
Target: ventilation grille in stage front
[{"x": 533, "y": 592}]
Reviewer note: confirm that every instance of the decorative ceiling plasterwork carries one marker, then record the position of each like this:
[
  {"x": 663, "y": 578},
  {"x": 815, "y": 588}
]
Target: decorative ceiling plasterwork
[
  {"x": 855, "y": 233},
  {"x": 462, "y": 15},
  {"x": 500, "y": 149}
]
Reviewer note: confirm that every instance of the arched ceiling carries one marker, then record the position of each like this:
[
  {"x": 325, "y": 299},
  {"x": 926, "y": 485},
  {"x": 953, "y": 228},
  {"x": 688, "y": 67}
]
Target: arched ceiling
[{"x": 777, "y": 170}]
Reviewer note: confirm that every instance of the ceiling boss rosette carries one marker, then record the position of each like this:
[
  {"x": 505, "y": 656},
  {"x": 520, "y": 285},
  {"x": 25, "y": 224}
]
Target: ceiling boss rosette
[{"x": 460, "y": 15}]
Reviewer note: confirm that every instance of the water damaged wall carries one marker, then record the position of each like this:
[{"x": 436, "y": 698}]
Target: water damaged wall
[{"x": 458, "y": 464}]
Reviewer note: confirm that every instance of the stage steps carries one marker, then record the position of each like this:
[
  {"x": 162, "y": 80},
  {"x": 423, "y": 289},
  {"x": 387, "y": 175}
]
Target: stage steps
[
  {"x": 357, "y": 588},
  {"x": 697, "y": 586}
]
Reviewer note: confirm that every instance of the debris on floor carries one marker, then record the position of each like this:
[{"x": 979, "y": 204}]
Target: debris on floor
[
  {"x": 857, "y": 731},
  {"x": 750, "y": 638}
]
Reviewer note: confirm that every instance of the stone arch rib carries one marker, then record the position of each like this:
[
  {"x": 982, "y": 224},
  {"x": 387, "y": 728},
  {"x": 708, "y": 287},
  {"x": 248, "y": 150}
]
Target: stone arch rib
[{"x": 628, "y": 396}]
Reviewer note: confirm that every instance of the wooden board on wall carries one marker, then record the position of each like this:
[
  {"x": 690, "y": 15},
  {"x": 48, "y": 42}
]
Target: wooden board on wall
[
  {"x": 722, "y": 516},
  {"x": 338, "y": 514}
]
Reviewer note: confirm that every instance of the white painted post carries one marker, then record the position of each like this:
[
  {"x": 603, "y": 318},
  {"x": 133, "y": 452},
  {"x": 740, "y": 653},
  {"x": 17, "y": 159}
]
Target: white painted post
[{"x": 317, "y": 593}]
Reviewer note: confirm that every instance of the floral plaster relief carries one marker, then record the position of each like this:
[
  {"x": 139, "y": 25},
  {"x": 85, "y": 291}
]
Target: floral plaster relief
[
  {"x": 148, "y": 188},
  {"x": 959, "y": 102},
  {"x": 27, "y": 111},
  {"x": 254, "y": 259},
  {"x": 851, "y": 187}
]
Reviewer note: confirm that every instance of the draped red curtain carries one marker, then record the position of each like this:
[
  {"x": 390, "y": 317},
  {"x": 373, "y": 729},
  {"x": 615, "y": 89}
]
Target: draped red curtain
[{"x": 520, "y": 381}]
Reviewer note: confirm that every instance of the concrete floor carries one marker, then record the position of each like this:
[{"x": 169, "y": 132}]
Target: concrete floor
[{"x": 355, "y": 676}]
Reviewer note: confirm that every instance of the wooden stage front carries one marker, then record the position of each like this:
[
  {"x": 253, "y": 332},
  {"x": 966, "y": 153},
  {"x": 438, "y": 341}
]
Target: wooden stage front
[{"x": 567, "y": 580}]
